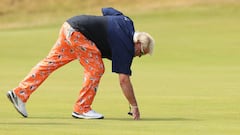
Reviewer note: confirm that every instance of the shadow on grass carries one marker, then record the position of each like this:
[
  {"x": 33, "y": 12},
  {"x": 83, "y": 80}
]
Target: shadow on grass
[
  {"x": 70, "y": 122},
  {"x": 154, "y": 119},
  {"x": 117, "y": 118}
]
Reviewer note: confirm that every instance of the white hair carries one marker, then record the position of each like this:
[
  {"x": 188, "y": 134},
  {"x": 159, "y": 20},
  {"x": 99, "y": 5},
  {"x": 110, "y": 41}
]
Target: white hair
[{"x": 146, "y": 40}]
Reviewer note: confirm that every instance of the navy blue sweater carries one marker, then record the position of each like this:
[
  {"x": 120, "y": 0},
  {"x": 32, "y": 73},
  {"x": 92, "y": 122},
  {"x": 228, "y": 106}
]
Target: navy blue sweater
[{"x": 113, "y": 35}]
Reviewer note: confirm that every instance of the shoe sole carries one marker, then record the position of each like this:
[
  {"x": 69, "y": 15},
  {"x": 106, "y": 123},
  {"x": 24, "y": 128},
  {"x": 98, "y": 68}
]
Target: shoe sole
[
  {"x": 11, "y": 98},
  {"x": 77, "y": 116}
]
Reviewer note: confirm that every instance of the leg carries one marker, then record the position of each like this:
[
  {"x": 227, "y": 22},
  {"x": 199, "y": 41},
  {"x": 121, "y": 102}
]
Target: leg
[
  {"x": 90, "y": 57},
  {"x": 59, "y": 55}
]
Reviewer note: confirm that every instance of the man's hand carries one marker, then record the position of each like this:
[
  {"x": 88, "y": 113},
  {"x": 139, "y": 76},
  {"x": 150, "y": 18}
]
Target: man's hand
[{"x": 135, "y": 113}]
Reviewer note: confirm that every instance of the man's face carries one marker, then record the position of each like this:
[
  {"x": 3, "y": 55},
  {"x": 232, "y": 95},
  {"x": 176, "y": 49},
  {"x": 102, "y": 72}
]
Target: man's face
[{"x": 139, "y": 50}]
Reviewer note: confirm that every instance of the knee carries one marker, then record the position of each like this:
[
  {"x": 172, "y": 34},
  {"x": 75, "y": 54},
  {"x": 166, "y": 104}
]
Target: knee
[
  {"x": 95, "y": 72},
  {"x": 100, "y": 71}
]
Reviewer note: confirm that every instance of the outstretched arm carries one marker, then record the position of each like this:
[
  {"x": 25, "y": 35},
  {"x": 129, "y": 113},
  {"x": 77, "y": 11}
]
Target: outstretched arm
[{"x": 128, "y": 92}]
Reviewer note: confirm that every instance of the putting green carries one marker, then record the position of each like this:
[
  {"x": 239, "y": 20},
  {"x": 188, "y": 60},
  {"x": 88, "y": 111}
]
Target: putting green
[{"x": 189, "y": 86}]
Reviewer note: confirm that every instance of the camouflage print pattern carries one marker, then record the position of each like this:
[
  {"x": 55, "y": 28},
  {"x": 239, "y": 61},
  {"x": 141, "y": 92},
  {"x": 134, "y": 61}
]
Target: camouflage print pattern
[{"x": 70, "y": 45}]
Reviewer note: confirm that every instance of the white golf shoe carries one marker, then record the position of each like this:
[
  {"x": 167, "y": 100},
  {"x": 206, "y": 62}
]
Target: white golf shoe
[
  {"x": 88, "y": 115},
  {"x": 18, "y": 103}
]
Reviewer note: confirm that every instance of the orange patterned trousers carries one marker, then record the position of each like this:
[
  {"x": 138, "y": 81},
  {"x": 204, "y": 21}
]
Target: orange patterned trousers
[{"x": 70, "y": 45}]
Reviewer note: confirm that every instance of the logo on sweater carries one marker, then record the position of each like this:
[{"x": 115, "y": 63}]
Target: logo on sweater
[{"x": 126, "y": 18}]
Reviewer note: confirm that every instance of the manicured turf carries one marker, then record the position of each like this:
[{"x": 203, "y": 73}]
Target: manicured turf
[{"x": 190, "y": 86}]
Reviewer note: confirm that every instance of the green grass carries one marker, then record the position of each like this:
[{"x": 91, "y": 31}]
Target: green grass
[{"x": 190, "y": 86}]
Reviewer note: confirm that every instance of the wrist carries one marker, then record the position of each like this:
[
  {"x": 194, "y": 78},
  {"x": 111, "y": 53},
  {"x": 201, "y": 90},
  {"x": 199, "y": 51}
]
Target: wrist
[{"x": 134, "y": 106}]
